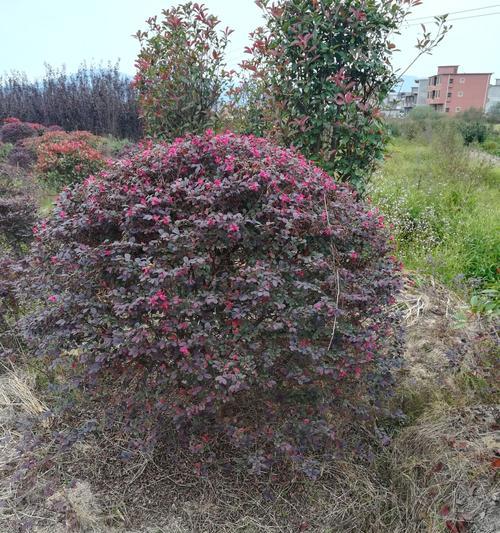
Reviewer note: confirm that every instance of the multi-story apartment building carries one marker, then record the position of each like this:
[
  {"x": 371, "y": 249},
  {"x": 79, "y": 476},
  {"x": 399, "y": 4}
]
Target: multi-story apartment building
[
  {"x": 452, "y": 92},
  {"x": 422, "y": 91},
  {"x": 409, "y": 99},
  {"x": 399, "y": 104},
  {"x": 493, "y": 95}
]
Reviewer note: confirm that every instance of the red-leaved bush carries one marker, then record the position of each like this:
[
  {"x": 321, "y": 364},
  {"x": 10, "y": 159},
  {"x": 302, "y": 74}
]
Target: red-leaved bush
[
  {"x": 18, "y": 214},
  {"x": 181, "y": 74},
  {"x": 12, "y": 120},
  {"x": 63, "y": 158},
  {"x": 224, "y": 284},
  {"x": 8, "y": 303},
  {"x": 320, "y": 71}
]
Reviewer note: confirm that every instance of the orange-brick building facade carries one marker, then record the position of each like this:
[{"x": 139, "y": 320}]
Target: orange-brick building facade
[{"x": 450, "y": 91}]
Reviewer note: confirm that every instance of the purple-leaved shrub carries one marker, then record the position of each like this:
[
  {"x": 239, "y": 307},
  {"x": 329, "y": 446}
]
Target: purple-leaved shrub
[
  {"x": 11, "y": 132},
  {"x": 21, "y": 156},
  {"x": 18, "y": 211},
  {"x": 222, "y": 284}
]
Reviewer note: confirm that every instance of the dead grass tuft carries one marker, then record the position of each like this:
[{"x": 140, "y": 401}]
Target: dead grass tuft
[
  {"x": 441, "y": 468},
  {"x": 17, "y": 393},
  {"x": 450, "y": 353}
]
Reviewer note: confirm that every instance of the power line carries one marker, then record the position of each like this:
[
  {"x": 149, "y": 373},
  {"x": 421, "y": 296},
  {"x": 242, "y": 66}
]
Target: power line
[
  {"x": 456, "y": 12},
  {"x": 462, "y": 18}
]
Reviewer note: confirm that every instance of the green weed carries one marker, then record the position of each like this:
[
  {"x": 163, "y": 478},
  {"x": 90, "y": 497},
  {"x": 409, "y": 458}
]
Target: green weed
[
  {"x": 5, "y": 150},
  {"x": 443, "y": 205}
]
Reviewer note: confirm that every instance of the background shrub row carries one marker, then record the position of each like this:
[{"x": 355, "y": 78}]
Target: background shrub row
[{"x": 97, "y": 99}]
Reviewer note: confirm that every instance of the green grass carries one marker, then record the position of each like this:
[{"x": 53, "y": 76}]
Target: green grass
[
  {"x": 5, "y": 149},
  {"x": 47, "y": 199},
  {"x": 445, "y": 208},
  {"x": 111, "y": 146}
]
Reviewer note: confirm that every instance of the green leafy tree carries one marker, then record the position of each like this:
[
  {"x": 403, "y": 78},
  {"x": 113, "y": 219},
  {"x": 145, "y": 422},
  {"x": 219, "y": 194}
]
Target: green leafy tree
[
  {"x": 181, "y": 73},
  {"x": 472, "y": 125},
  {"x": 327, "y": 68},
  {"x": 493, "y": 114}
]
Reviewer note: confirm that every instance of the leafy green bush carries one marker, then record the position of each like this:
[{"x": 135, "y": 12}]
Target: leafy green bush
[
  {"x": 180, "y": 71},
  {"x": 421, "y": 124},
  {"x": 111, "y": 147},
  {"x": 492, "y": 146},
  {"x": 326, "y": 70},
  {"x": 475, "y": 131},
  {"x": 223, "y": 284}
]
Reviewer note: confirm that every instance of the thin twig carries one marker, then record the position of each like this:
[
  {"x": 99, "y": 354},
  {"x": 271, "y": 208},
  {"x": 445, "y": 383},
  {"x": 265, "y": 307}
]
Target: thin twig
[
  {"x": 338, "y": 277},
  {"x": 335, "y": 318}
]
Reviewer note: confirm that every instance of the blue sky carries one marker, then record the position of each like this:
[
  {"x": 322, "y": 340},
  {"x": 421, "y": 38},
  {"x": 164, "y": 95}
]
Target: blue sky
[
  {"x": 58, "y": 32},
  {"x": 34, "y": 32}
]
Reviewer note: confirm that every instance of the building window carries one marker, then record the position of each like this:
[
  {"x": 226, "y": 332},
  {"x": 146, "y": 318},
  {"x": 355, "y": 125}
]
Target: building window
[
  {"x": 462, "y": 80},
  {"x": 451, "y": 80},
  {"x": 460, "y": 94},
  {"x": 458, "y": 109},
  {"x": 447, "y": 109},
  {"x": 449, "y": 95}
]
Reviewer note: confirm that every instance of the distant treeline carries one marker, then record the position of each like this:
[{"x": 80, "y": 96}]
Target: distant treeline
[{"x": 97, "y": 99}]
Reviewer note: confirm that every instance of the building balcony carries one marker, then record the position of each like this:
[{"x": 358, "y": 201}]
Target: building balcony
[{"x": 436, "y": 101}]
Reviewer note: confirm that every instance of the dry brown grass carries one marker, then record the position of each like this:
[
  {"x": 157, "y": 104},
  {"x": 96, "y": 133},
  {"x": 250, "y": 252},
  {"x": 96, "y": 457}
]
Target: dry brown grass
[
  {"x": 435, "y": 475},
  {"x": 446, "y": 345}
]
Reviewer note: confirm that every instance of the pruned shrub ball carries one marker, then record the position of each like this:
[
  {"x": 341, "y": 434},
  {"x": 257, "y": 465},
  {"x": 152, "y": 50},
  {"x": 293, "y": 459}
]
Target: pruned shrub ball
[{"x": 222, "y": 284}]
